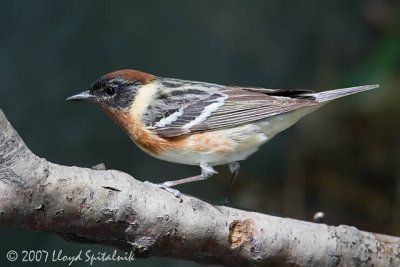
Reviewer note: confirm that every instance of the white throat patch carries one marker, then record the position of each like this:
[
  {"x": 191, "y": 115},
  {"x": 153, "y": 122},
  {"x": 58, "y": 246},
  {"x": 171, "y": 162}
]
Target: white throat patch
[{"x": 143, "y": 98}]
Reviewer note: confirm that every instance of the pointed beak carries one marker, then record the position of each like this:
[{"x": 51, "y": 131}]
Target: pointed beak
[{"x": 84, "y": 96}]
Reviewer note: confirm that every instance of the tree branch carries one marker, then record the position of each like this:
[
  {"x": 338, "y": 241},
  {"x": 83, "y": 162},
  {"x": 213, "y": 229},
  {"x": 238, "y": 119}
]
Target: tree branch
[{"x": 112, "y": 208}]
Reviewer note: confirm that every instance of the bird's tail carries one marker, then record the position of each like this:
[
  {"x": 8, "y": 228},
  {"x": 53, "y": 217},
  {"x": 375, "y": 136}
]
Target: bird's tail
[{"x": 333, "y": 94}]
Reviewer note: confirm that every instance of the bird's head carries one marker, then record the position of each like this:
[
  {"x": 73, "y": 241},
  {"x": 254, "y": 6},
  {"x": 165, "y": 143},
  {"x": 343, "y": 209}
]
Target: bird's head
[{"x": 114, "y": 91}]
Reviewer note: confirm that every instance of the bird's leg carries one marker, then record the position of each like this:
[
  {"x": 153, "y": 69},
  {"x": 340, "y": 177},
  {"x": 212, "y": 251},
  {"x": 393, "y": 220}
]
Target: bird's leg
[
  {"x": 234, "y": 168},
  {"x": 206, "y": 172}
]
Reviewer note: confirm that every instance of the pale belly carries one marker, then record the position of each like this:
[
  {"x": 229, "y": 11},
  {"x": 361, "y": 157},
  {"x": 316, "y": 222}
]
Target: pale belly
[{"x": 218, "y": 147}]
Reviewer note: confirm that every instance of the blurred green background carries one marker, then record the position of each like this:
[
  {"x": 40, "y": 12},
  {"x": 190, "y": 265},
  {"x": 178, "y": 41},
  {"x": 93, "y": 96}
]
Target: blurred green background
[{"x": 343, "y": 159}]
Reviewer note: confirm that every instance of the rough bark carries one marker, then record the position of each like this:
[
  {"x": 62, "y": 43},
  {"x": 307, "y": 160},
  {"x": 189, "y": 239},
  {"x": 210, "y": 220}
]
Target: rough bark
[{"x": 112, "y": 208}]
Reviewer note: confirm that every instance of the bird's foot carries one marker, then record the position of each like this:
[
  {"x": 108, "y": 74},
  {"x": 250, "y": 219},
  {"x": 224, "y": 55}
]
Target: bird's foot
[{"x": 167, "y": 187}]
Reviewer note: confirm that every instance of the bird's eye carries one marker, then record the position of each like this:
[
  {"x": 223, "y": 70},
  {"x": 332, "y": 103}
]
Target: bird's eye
[{"x": 110, "y": 91}]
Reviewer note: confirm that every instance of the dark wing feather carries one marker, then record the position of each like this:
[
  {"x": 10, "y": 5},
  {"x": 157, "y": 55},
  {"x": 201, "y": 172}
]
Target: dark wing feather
[
  {"x": 231, "y": 107},
  {"x": 244, "y": 106},
  {"x": 293, "y": 93}
]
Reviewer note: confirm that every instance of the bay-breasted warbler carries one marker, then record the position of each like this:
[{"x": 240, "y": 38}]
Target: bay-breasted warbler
[{"x": 199, "y": 123}]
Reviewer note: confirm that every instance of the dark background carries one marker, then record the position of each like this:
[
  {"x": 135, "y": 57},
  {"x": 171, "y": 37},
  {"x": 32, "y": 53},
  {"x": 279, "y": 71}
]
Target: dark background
[{"x": 343, "y": 159}]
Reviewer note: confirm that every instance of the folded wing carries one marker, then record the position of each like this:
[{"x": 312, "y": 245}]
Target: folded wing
[{"x": 229, "y": 107}]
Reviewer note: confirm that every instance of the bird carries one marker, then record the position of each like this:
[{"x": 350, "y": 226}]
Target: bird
[{"x": 201, "y": 123}]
